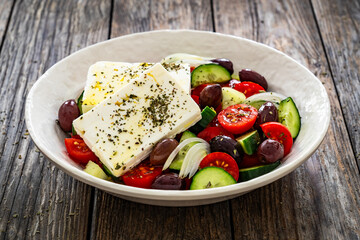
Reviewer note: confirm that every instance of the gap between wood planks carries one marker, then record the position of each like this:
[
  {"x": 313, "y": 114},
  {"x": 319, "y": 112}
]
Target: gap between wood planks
[
  {"x": 7, "y": 25},
  {"x": 332, "y": 77}
]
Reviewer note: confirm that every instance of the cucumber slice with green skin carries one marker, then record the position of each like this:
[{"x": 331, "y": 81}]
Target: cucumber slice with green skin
[
  {"x": 179, "y": 159},
  {"x": 80, "y": 101},
  {"x": 289, "y": 116},
  {"x": 207, "y": 115},
  {"x": 209, "y": 73},
  {"x": 94, "y": 170},
  {"x": 231, "y": 97},
  {"x": 211, "y": 177},
  {"x": 249, "y": 142},
  {"x": 109, "y": 174},
  {"x": 247, "y": 174}
]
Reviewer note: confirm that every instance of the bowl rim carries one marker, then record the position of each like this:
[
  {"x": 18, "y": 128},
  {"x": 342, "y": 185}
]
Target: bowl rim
[{"x": 174, "y": 195}]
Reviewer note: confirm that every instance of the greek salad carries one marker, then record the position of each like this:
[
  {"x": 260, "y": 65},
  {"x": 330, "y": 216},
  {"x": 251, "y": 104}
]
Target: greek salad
[{"x": 188, "y": 122}]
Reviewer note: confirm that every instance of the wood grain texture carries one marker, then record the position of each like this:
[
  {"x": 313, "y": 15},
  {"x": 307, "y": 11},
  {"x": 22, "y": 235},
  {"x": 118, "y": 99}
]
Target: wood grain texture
[
  {"x": 339, "y": 22},
  {"x": 114, "y": 218},
  {"x": 5, "y": 10},
  {"x": 120, "y": 219},
  {"x": 38, "y": 201},
  {"x": 308, "y": 203},
  {"x": 139, "y": 16}
]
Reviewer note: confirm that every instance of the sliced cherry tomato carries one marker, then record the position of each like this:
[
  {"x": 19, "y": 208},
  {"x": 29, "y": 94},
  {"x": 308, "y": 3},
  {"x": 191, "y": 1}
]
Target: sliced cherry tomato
[
  {"x": 214, "y": 123},
  {"x": 278, "y": 132},
  {"x": 142, "y": 176},
  {"x": 222, "y": 160},
  {"x": 219, "y": 108},
  {"x": 249, "y": 88},
  {"x": 238, "y": 118},
  {"x": 210, "y": 132},
  {"x": 250, "y": 161},
  {"x": 230, "y": 83},
  {"x": 196, "y": 91},
  {"x": 79, "y": 151},
  {"x": 195, "y": 98}
]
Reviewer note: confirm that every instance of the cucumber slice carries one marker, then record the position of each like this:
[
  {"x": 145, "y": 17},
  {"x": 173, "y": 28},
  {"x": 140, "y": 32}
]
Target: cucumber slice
[
  {"x": 80, "y": 102},
  {"x": 289, "y": 116},
  {"x": 247, "y": 174},
  {"x": 94, "y": 170},
  {"x": 207, "y": 115},
  {"x": 186, "y": 135},
  {"x": 231, "y": 97},
  {"x": 110, "y": 175},
  {"x": 235, "y": 76},
  {"x": 211, "y": 177},
  {"x": 249, "y": 142},
  {"x": 209, "y": 73},
  {"x": 179, "y": 159}
]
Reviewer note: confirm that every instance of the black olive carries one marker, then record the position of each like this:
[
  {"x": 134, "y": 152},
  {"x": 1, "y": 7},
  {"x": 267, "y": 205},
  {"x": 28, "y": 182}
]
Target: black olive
[{"x": 227, "y": 145}]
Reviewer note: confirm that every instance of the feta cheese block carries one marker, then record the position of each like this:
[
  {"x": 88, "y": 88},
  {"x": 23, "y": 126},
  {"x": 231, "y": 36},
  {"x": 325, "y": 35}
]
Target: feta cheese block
[
  {"x": 122, "y": 129},
  {"x": 106, "y": 78}
]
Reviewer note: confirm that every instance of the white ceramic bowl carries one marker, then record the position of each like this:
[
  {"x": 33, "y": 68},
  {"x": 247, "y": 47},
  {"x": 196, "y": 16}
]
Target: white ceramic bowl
[{"x": 66, "y": 79}]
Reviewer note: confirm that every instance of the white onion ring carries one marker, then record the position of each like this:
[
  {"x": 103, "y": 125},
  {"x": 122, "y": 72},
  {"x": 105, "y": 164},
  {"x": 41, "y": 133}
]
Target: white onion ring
[
  {"x": 267, "y": 96},
  {"x": 191, "y": 158},
  {"x": 178, "y": 148}
]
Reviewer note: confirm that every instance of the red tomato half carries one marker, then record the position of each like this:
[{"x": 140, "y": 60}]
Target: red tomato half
[
  {"x": 142, "y": 176},
  {"x": 250, "y": 161},
  {"x": 238, "y": 118},
  {"x": 195, "y": 98},
  {"x": 222, "y": 160},
  {"x": 210, "y": 132},
  {"x": 278, "y": 132},
  {"x": 249, "y": 88},
  {"x": 214, "y": 123},
  {"x": 79, "y": 152}
]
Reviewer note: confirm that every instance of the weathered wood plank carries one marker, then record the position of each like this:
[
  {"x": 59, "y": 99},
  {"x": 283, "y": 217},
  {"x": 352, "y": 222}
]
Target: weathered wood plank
[
  {"x": 321, "y": 199},
  {"x": 119, "y": 219},
  {"x": 37, "y": 200},
  {"x": 139, "y": 16},
  {"x": 339, "y": 23},
  {"x": 5, "y": 11}
]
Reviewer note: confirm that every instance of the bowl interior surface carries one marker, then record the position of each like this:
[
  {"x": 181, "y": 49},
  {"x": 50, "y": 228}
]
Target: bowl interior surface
[{"x": 66, "y": 79}]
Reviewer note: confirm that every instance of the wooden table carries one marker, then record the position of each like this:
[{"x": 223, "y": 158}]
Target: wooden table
[{"x": 319, "y": 200}]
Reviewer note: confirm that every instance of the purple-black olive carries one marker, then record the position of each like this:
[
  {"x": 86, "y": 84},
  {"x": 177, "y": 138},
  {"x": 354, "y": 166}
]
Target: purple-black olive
[
  {"x": 211, "y": 96},
  {"x": 162, "y": 150},
  {"x": 247, "y": 75},
  {"x": 68, "y": 112},
  {"x": 168, "y": 181},
  {"x": 226, "y": 63},
  {"x": 267, "y": 113},
  {"x": 270, "y": 151},
  {"x": 227, "y": 145}
]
